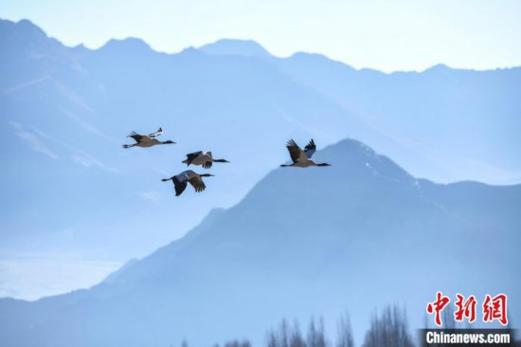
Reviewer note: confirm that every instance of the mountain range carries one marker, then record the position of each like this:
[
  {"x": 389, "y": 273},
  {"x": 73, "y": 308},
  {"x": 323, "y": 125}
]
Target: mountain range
[
  {"x": 69, "y": 187},
  {"x": 354, "y": 236}
]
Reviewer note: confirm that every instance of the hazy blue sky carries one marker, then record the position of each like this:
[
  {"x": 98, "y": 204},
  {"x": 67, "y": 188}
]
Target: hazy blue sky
[{"x": 388, "y": 35}]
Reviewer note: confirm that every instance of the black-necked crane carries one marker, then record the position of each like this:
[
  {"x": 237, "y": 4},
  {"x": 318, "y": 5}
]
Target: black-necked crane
[
  {"x": 205, "y": 159},
  {"x": 302, "y": 157},
  {"x": 147, "y": 140},
  {"x": 185, "y": 177}
]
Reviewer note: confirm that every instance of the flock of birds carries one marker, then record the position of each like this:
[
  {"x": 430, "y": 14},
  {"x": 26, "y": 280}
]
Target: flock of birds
[{"x": 299, "y": 157}]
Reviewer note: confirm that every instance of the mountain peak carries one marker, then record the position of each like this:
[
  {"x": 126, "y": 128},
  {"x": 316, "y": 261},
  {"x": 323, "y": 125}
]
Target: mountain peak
[
  {"x": 438, "y": 68},
  {"x": 131, "y": 44},
  {"x": 248, "y": 48},
  {"x": 355, "y": 158},
  {"x": 24, "y": 28}
]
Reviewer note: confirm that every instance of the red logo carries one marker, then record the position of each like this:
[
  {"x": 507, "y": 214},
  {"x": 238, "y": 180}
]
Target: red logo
[
  {"x": 493, "y": 308},
  {"x": 465, "y": 308},
  {"x": 437, "y": 306}
]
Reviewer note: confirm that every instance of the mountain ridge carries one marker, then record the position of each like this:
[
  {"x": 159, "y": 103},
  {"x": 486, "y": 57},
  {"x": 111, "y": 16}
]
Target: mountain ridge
[
  {"x": 67, "y": 111},
  {"x": 259, "y": 50},
  {"x": 301, "y": 242}
]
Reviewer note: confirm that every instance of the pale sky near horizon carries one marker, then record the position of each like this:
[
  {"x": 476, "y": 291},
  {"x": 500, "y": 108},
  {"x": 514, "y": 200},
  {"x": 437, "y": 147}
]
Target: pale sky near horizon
[{"x": 381, "y": 34}]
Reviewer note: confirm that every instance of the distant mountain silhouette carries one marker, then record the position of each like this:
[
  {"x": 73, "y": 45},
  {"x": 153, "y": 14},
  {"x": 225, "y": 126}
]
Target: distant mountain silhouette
[
  {"x": 67, "y": 185},
  {"x": 247, "y": 48},
  {"x": 355, "y": 236},
  {"x": 68, "y": 111},
  {"x": 445, "y": 124}
]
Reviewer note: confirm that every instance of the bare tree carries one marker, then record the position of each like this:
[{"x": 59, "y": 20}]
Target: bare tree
[
  {"x": 284, "y": 333},
  {"x": 316, "y": 335},
  {"x": 388, "y": 330},
  {"x": 237, "y": 343},
  {"x": 321, "y": 342},
  {"x": 286, "y": 336},
  {"x": 272, "y": 339},
  {"x": 312, "y": 334},
  {"x": 344, "y": 332},
  {"x": 296, "y": 339}
]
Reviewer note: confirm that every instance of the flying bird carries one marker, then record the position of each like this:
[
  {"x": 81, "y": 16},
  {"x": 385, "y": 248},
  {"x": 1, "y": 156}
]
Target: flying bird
[
  {"x": 147, "y": 140},
  {"x": 204, "y": 159},
  {"x": 302, "y": 157},
  {"x": 181, "y": 180}
]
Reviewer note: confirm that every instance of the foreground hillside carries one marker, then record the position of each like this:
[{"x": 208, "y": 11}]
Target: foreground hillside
[{"x": 357, "y": 235}]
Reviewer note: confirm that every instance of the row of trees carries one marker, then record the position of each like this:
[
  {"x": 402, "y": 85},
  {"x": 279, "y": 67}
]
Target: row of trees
[
  {"x": 286, "y": 336},
  {"x": 389, "y": 329},
  {"x": 291, "y": 336}
]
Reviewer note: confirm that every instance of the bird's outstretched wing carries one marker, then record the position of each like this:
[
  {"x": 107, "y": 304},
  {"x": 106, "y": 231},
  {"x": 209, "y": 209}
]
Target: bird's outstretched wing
[
  {"x": 208, "y": 164},
  {"x": 197, "y": 182},
  {"x": 191, "y": 156},
  {"x": 137, "y": 137},
  {"x": 179, "y": 186},
  {"x": 310, "y": 149},
  {"x": 294, "y": 150},
  {"x": 156, "y": 133}
]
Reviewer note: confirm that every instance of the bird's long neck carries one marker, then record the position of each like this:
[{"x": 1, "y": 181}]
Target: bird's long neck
[{"x": 220, "y": 160}]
